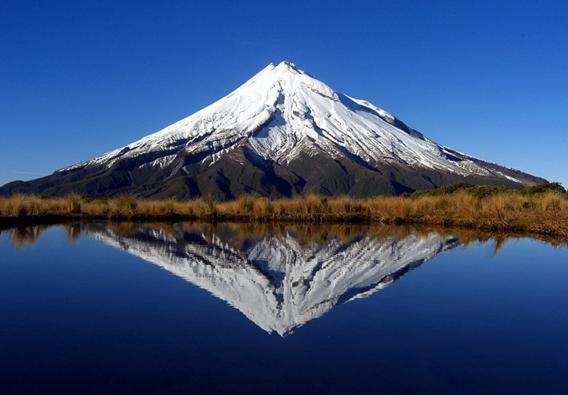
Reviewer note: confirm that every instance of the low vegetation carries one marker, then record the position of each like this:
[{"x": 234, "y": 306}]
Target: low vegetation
[{"x": 541, "y": 210}]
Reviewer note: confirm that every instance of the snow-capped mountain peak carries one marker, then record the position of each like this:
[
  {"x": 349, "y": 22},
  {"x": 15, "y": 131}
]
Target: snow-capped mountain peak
[
  {"x": 281, "y": 133},
  {"x": 282, "y": 112}
]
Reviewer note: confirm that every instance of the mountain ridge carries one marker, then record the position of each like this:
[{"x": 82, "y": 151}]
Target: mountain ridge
[{"x": 282, "y": 133}]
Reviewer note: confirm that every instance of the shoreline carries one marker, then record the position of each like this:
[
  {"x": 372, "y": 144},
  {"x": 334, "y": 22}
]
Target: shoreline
[
  {"x": 308, "y": 226},
  {"x": 510, "y": 211}
]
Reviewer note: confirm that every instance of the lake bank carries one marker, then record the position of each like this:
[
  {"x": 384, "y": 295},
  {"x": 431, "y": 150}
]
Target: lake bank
[{"x": 543, "y": 213}]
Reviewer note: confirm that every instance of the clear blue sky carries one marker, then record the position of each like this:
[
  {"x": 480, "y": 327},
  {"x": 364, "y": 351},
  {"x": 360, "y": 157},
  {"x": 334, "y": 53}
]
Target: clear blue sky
[{"x": 78, "y": 78}]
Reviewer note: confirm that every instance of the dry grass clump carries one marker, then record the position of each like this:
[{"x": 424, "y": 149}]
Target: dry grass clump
[
  {"x": 121, "y": 207},
  {"x": 543, "y": 212}
]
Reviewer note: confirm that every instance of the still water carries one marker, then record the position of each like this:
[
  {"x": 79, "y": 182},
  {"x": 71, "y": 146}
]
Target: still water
[{"x": 190, "y": 308}]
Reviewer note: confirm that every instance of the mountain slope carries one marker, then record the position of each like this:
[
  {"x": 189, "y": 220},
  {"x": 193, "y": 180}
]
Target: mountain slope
[{"x": 282, "y": 133}]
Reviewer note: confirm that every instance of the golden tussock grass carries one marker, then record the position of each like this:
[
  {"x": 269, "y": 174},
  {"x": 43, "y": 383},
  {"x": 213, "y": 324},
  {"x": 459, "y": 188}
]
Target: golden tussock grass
[{"x": 542, "y": 213}]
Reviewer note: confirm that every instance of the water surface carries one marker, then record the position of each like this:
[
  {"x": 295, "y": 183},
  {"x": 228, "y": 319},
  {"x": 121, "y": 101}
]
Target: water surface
[{"x": 193, "y": 308}]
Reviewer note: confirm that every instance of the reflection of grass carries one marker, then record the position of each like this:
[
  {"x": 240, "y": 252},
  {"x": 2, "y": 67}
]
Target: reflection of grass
[
  {"x": 239, "y": 235},
  {"x": 542, "y": 212}
]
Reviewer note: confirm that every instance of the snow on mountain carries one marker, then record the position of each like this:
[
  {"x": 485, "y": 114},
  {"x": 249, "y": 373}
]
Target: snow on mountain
[
  {"x": 277, "y": 282},
  {"x": 282, "y": 133},
  {"x": 283, "y": 112}
]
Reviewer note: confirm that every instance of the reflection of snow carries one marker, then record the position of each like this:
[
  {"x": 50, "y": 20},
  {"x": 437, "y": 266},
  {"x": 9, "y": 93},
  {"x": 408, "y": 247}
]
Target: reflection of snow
[{"x": 277, "y": 282}]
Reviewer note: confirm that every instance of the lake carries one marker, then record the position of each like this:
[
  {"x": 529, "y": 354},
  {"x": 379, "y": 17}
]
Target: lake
[{"x": 232, "y": 308}]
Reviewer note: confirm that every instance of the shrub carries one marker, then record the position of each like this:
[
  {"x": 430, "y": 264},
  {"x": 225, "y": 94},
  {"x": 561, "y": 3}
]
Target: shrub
[{"x": 537, "y": 209}]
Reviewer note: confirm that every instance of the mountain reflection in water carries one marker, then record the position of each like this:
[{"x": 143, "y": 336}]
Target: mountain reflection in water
[
  {"x": 277, "y": 280},
  {"x": 279, "y": 276}
]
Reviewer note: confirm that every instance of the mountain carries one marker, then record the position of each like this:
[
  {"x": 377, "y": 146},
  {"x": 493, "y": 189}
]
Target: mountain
[
  {"x": 278, "y": 282},
  {"x": 283, "y": 133}
]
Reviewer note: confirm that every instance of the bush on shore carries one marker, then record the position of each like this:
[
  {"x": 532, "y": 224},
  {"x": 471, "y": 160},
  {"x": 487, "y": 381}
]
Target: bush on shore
[{"x": 542, "y": 209}]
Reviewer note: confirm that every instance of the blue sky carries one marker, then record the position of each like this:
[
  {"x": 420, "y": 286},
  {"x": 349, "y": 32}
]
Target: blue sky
[{"x": 80, "y": 78}]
